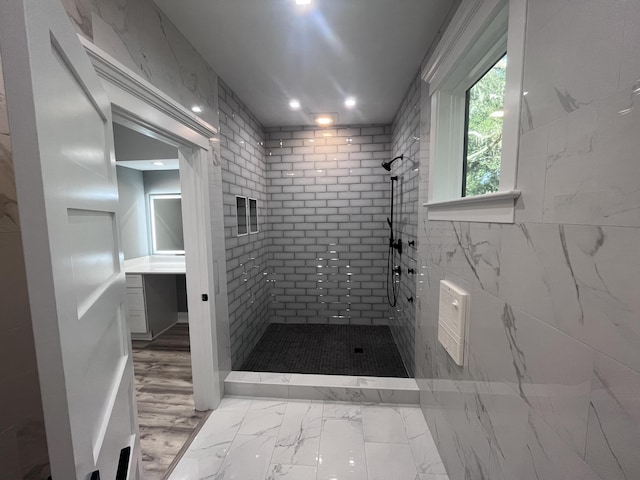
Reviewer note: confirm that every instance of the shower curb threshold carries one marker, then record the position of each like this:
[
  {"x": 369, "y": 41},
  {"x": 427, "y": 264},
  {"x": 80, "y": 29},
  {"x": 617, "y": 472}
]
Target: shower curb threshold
[{"x": 341, "y": 388}]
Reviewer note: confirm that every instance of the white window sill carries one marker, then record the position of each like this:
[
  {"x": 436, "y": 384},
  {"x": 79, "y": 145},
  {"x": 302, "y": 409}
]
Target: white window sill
[{"x": 497, "y": 207}]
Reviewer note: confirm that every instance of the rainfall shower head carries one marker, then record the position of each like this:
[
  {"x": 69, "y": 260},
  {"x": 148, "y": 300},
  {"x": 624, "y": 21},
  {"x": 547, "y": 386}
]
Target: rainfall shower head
[{"x": 387, "y": 165}]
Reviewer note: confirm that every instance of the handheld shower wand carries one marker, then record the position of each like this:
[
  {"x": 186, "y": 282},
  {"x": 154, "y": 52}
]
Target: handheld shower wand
[{"x": 387, "y": 165}]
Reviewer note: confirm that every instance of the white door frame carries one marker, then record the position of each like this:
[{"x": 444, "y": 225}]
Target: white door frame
[{"x": 139, "y": 105}]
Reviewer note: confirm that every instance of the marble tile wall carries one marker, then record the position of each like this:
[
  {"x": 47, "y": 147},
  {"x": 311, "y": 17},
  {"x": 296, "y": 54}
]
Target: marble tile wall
[
  {"x": 406, "y": 141},
  {"x": 139, "y": 35},
  {"x": 328, "y": 203},
  {"x": 23, "y": 443},
  {"x": 551, "y": 382},
  {"x": 244, "y": 174}
]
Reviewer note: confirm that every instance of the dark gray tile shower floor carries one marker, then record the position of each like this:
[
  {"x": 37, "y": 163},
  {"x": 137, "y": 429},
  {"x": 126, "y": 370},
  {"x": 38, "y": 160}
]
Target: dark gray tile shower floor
[{"x": 327, "y": 349}]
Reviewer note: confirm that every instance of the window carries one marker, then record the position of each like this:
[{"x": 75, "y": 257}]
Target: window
[
  {"x": 475, "y": 113},
  {"x": 483, "y": 132}
]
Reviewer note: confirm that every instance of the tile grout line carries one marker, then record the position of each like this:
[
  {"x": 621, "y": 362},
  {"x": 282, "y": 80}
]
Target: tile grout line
[
  {"x": 275, "y": 443},
  {"x": 226, "y": 455},
  {"x": 364, "y": 442},
  {"x": 406, "y": 431}
]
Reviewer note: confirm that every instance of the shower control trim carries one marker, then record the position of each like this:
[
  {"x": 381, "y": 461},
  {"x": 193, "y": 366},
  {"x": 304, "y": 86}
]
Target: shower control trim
[{"x": 397, "y": 244}]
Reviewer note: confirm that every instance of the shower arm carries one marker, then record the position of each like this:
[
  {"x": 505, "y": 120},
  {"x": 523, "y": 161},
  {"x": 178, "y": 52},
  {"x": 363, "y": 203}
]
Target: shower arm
[{"x": 387, "y": 165}]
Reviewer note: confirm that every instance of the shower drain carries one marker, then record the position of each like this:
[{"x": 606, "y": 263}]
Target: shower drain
[{"x": 358, "y": 350}]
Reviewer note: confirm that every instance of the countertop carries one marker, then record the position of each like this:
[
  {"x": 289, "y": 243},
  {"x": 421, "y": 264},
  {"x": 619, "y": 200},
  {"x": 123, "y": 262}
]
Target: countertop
[{"x": 156, "y": 264}]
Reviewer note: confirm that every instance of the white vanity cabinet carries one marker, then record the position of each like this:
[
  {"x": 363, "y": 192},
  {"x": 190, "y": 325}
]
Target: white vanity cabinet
[
  {"x": 151, "y": 304},
  {"x": 152, "y": 301}
]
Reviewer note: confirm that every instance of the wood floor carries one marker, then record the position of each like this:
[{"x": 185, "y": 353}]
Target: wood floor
[{"x": 164, "y": 391}]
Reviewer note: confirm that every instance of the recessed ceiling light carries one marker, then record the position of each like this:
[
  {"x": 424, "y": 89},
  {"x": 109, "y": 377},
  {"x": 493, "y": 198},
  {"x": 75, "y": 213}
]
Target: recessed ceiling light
[
  {"x": 196, "y": 109},
  {"x": 324, "y": 120},
  {"x": 303, "y": 2},
  {"x": 350, "y": 102},
  {"x": 158, "y": 164},
  {"x": 294, "y": 104}
]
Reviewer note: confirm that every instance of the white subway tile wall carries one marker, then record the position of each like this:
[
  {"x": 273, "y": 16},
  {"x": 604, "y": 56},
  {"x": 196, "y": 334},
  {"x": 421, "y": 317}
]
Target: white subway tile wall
[
  {"x": 243, "y": 173},
  {"x": 406, "y": 141},
  {"x": 328, "y": 200}
]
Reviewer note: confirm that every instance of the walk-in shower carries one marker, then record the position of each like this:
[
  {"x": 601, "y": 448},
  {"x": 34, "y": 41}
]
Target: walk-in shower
[{"x": 308, "y": 291}]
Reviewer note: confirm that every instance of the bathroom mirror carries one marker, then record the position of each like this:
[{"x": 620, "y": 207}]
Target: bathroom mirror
[{"x": 166, "y": 224}]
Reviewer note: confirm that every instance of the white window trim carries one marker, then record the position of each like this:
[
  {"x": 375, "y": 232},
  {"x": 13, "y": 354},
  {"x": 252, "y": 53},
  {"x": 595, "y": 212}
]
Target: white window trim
[{"x": 472, "y": 43}]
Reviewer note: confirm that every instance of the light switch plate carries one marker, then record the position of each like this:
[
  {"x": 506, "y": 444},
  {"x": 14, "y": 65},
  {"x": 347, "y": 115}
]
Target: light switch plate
[{"x": 452, "y": 320}]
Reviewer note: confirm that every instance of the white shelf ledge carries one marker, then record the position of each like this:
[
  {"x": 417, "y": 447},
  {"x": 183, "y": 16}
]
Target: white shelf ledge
[{"x": 489, "y": 208}]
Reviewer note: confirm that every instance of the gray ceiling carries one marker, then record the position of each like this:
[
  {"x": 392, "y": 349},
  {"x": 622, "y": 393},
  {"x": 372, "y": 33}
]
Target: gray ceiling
[{"x": 270, "y": 51}]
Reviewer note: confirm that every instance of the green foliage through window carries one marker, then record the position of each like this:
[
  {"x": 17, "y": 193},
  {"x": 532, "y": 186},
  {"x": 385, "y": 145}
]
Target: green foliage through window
[{"x": 485, "y": 104}]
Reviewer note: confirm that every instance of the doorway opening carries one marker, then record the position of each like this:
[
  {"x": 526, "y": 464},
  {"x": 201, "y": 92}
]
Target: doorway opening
[{"x": 153, "y": 238}]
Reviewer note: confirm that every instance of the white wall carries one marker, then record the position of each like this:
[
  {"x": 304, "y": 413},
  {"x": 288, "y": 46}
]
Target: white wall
[
  {"x": 161, "y": 181},
  {"x": 133, "y": 213},
  {"x": 131, "y": 145}
]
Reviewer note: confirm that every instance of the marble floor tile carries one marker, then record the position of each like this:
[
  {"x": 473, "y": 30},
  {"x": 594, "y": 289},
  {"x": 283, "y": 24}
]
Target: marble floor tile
[
  {"x": 209, "y": 449},
  {"x": 248, "y": 458},
  {"x": 235, "y": 404},
  {"x": 342, "y": 454},
  {"x": 390, "y": 461},
  {"x": 299, "y": 438},
  {"x": 383, "y": 424},
  {"x": 423, "y": 448},
  {"x": 312, "y": 441},
  {"x": 278, "y": 471},
  {"x": 263, "y": 418},
  {"x": 347, "y": 411}
]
